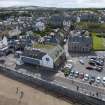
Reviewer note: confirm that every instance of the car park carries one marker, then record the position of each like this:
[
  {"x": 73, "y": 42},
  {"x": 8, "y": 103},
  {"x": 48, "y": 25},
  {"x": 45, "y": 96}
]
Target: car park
[
  {"x": 86, "y": 77},
  {"x": 98, "y": 80}
]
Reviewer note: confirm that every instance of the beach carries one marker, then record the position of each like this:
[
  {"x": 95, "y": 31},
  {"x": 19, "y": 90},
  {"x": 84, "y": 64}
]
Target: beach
[{"x": 13, "y": 92}]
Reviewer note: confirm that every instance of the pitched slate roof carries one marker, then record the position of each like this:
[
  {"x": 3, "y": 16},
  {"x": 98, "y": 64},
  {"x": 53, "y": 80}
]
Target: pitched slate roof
[
  {"x": 34, "y": 53},
  {"x": 53, "y": 50}
]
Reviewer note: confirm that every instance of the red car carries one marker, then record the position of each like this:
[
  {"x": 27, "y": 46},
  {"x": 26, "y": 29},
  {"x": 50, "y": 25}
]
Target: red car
[{"x": 81, "y": 75}]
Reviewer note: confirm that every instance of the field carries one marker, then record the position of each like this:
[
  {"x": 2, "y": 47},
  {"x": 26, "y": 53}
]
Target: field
[
  {"x": 98, "y": 42},
  {"x": 32, "y": 96}
]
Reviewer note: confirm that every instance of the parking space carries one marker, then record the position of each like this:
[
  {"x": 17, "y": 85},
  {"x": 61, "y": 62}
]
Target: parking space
[{"x": 80, "y": 67}]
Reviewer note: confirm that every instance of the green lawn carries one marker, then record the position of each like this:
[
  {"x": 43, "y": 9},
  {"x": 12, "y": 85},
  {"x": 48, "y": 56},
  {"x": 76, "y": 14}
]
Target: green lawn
[{"x": 98, "y": 42}]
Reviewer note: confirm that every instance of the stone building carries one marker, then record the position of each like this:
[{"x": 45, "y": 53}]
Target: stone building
[{"x": 80, "y": 42}]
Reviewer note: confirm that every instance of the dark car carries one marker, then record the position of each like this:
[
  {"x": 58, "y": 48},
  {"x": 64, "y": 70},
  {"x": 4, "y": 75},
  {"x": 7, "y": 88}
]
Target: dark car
[
  {"x": 99, "y": 69},
  {"x": 92, "y": 79},
  {"x": 99, "y": 63},
  {"x": 89, "y": 68},
  {"x": 92, "y": 63},
  {"x": 93, "y": 58}
]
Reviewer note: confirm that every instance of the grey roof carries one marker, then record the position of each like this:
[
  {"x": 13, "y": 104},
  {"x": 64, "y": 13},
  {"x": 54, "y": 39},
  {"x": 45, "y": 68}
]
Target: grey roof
[
  {"x": 53, "y": 50},
  {"x": 57, "y": 18},
  {"x": 29, "y": 52},
  {"x": 80, "y": 39},
  {"x": 56, "y": 52}
]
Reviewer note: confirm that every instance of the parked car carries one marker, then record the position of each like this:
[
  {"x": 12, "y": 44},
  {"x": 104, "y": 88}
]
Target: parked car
[
  {"x": 99, "y": 69},
  {"x": 92, "y": 63},
  {"x": 68, "y": 66},
  {"x": 72, "y": 73},
  {"x": 86, "y": 77},
  {"x": 99, "y": 63},
  {"x": 89, "y": 68},
  {"x": 69, "y": 61},
  {"x": 81, "y": 75},
  {"x": 81, "y": 61},
  {"x": 93, "y": 58},
  {"x": 98, "y": 80},
  {"x": 92, "y": 79},
  {"x": 103, "y": 81},
  {"x": 76, "y": 74}
]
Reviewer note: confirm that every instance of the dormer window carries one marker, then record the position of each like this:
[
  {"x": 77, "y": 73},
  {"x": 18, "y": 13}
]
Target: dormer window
[{"x": 47, "y": 59}]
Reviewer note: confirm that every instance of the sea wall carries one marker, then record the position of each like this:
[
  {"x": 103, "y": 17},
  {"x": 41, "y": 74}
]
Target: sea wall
[{"x": 51, "y": 86}]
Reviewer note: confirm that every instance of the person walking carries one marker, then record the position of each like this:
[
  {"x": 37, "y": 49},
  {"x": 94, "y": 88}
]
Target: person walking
[
  {"x": 77, "y": 88},
  {"x": 21, "y": 94},
  {"x": 17, "y": 90}
]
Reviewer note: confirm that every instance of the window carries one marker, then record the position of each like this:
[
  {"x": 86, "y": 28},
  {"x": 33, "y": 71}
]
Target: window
[{"x": 47, "y": 59}]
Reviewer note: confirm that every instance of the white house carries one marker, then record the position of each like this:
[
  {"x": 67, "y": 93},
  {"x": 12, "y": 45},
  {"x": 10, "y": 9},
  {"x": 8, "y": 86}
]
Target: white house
[
  {"x": 43, "y": 55},
  {"x": 47, "y": 61},
  {"x": 40, "y": 26}
]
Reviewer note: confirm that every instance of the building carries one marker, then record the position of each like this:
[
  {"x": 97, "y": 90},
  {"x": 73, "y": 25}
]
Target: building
[
  {"x": 39, "y": 26},
  {"x": 56, "y": 21},
  {"x": 80, "y": 42},
  {"x": 14, "y": 32},
  {"x": 54, "y": 37},
  {"x": 3, "y": 46},
  {"x": 89, "y": 17},
  {"x": 44, "y": 55},
  {"x": 67, "y": 23}
]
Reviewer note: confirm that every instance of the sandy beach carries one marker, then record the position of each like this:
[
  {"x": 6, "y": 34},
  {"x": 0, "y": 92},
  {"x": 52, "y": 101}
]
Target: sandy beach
[{"x": 10, "y": 94}]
